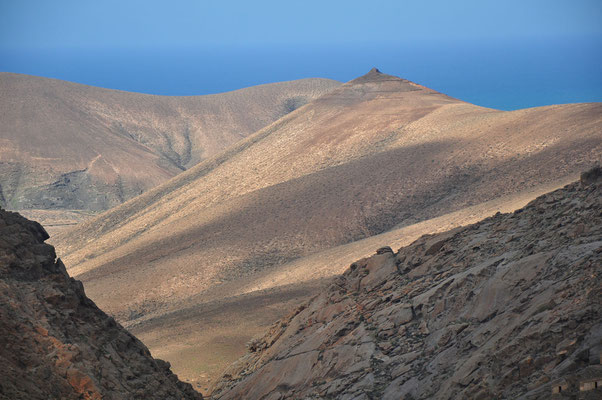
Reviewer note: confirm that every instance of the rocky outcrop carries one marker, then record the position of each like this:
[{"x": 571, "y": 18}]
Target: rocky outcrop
[
  {"x": 506, "y": 308},
  {"x": 54, "y": 342}
]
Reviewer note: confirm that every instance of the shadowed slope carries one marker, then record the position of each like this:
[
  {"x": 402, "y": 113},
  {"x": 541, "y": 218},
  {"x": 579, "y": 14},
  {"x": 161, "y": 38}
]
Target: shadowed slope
[
  {"x": 375, "y": 154},
  {"x": 69, "y": 146}
]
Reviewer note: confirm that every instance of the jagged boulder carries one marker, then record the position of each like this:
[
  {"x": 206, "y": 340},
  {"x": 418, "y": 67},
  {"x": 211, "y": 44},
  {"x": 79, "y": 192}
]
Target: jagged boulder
[
  {"x": 54, "y": 342},
  {"x": 505, "y": 308}
]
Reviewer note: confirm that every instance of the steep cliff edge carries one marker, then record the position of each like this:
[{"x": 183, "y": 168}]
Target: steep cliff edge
[
  {"x": 55, "y": 342},
  {"x": 509, "y": 307}
]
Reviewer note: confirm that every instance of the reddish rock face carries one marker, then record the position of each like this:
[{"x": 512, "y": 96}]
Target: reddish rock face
[
  {"x": 54, "y": 342},
  {"x": 505, "y": 308}
]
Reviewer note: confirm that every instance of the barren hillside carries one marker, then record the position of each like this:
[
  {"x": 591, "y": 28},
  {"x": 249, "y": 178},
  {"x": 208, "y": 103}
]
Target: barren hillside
[
  {"x": 508, "y": 308},
  {"x": 66, "y": 146},
  {"x": 375, "y": 154}
]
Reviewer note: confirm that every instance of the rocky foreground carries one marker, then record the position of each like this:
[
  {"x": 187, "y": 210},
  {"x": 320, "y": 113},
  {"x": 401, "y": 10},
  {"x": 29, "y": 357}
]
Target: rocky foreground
[
  {"x": 507, "y": 308},
  {"x": 54, "y": 342}
]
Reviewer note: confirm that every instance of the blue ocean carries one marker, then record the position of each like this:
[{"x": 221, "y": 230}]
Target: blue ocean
[{"x": 505, "y": 75}]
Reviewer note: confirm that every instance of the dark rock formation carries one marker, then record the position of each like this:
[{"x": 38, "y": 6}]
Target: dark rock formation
[
  {"x": 54, "y": 342},
  {"x": 507, "y": 308},
  {"x": 384, "y": 250},
  {"x": 591, "y": 176}
]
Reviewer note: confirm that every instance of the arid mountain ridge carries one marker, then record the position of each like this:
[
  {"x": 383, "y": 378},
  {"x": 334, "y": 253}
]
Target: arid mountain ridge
[
  {"x": 54, "y": 342},
  {"x": 66, "y": 146},
  {"x": 376, "y": 154}
]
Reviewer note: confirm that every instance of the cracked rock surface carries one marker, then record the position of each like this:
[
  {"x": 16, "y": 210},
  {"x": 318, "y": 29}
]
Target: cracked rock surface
[
  {"x": 54, "y": 342},
  {"x": 509, "y": 307}
]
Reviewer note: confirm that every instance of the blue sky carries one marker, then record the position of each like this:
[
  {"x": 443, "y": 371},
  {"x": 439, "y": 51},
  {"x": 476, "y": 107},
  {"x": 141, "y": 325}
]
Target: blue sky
[
  {"x": 42, "y": 23},
  {"x": 198, "y": 47}
]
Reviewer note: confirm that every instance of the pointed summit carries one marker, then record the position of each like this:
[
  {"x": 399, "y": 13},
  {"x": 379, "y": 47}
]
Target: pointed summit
[{"x": 374, "y": 75}]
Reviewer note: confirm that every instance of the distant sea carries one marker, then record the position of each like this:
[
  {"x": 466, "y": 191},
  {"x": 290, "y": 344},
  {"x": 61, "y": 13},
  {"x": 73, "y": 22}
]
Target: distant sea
[{"x": 506, "y": 75}]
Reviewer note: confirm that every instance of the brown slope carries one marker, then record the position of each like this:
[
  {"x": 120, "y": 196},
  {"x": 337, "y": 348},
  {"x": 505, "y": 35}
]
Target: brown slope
[
  {"x": 506, "y": 308},
  {"x": 378, "y": 153},
  {"x": 69, "y": 146},
  {"x": 54, "y": 341}
]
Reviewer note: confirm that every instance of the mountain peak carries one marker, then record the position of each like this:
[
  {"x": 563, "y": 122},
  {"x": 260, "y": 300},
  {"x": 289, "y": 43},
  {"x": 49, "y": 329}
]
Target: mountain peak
[{"x": 374, "y": 75}]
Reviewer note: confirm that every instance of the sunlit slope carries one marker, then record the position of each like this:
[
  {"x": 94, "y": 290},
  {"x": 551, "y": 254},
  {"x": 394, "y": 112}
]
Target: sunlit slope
[
  {"x": 373, "y": 154},
  {"x": 203, "y": 334},
  {"x": 69, "y": 146}
]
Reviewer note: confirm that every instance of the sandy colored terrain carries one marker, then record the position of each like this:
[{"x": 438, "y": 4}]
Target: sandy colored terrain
[
  {"x": 66, "y": 146},
  {"x": 56, "y": 220},
  {"x": 377, "y": 154},
  {"x": 210, "y": 331}
]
